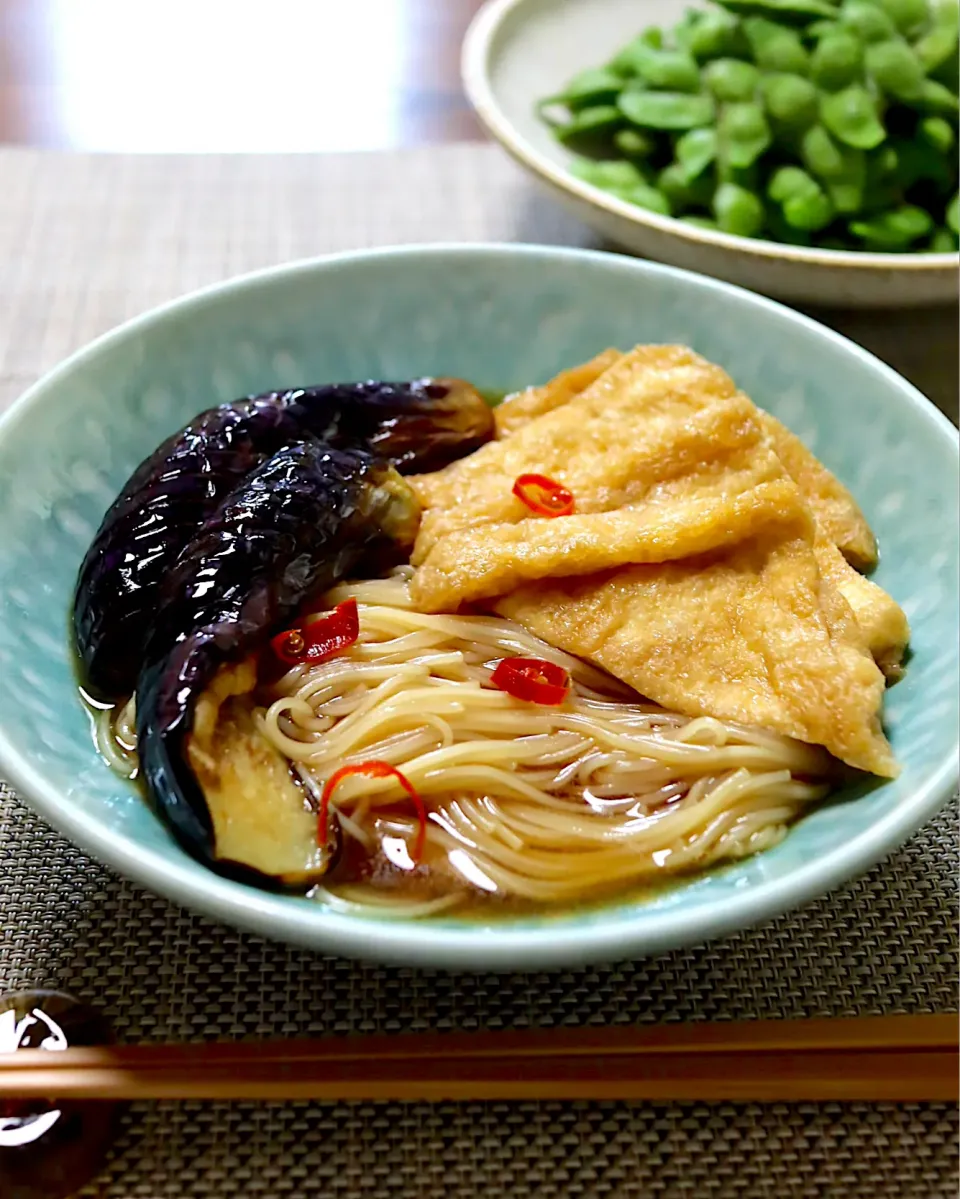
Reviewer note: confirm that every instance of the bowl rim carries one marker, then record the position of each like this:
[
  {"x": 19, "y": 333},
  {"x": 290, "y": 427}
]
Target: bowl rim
[
  {"x": 630, "y": 930},
  {"x": 475, "y": 71}
]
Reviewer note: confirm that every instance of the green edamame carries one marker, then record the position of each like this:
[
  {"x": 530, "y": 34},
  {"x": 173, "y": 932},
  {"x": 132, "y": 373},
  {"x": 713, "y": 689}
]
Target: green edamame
[
  {"x": 590, "y": 121},
  {"x": 596, "y": 86},
  {"x": 894, "y": 230},
  {"x": 907, "y": 15},
  {"x": 936, "y": 97},
  {"x": 743, "y": 134},
  {"x": 634, "y": 143},
  {"x": 716, "y": 35},
  {"x": 938, "y": 134},
  {"x": 737, "y": 210},
  {"x": 789, "y": 12},
  {"x": 695, "y": 151},
  {"x": 813, "y": 122},
  {"x": 684, "y": 193},
  {"x": 810, "y": 212},
  {"x": 608, "y": 174},
  {"x": 790, "y": 181},
  {"x": 776, "y": 48},
  {"x": 943, "y": 241},
  {"x": 643, "y": 196},
  {"x": 871, "y": 24},
  {"x": 837, "y": 59},
  {"x": 936, "y": 48},
  {"x": 622, "y": 64},
  {"x": 792, "y": 101},
  {"x": 895, "y": 69},
  {"x": 667, "y": 110},
  {"x": 851, "y": 116},
  {"x": 821, "y": 155},
  {"x": 846, "y": 195},
  {"x": 730, "y": 79},
  {"x": 666, "y": 70}
]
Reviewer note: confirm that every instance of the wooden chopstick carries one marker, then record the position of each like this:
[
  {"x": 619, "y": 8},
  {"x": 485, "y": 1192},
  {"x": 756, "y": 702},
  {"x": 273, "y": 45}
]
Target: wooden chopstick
[{"x": 900, "y": 1058}]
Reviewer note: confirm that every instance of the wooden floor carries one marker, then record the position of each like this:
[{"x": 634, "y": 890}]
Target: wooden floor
[{"x": 232, "y": 75}]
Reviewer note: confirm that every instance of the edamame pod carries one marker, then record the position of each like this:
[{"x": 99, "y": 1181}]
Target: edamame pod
[
  {"x": 596, "y": 86},
  {"x": 776, "y": 48},
  {"x": 716, "y": 35},
  {"x": 894, "y": 230},
  {"x": 743, "y": 133},
  {"x": 634, "y": 143},
  {"x": 729, "y": 79},
  {"x": 907, "y": 15},
  {"x": 589, "y": 122},
  {"x": 666, "y": 70},
  {"x": 695, "y": 151},
  {"x": 938, "y": 133},
  {"x": 737, "y": 210},
  {"x": 868, "y": 21},
  {"x": 790, "y": 12},
  {"x": 851, "y": 116},
  {"x": 792, "y": 101},
  {"x": 684, "y": 193},
  {"x": 837, "y": 60},
  {"x": 895, "y": 69},
  {"x": 943, "y": 242},
  {"x": 667, "y": 110}
]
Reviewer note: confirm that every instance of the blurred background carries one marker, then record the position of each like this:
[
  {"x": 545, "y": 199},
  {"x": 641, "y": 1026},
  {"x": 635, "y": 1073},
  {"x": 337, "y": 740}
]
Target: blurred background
[{"x": 232, "y": 75}]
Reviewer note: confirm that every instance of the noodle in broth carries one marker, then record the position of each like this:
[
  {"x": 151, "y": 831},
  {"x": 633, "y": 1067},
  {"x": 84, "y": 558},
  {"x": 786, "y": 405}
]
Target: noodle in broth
[{"x": 538, "y": 805}]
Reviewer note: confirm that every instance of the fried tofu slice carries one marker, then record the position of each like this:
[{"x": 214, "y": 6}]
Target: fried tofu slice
[
  {"x": 664, "y": 456},
  {"x": 837, "y": 512},
  {"x": 690, "y": 568},
  {"x": 752, "y": 634},
  {"x": 523, "y": 406},
  {"x": 881, "y": 620}
]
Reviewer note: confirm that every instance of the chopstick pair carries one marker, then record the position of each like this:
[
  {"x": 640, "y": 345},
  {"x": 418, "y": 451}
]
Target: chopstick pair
[{"x": 899, "y": 1058}]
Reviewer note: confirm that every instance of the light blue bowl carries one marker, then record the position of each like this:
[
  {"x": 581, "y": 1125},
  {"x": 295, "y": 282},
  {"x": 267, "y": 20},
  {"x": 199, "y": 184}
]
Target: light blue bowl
[{"x": 502, "y": 316}]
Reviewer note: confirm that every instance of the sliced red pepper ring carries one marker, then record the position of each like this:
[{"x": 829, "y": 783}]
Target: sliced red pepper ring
[
  {"x": 544, "y": 495},
  {"x": 379, "y": 770},
  {"x": 321, "y": 638},
  {"x": 532, "y": 679}
]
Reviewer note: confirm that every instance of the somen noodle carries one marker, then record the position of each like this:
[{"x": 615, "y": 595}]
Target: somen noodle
[{"x": 542, "y": 805}]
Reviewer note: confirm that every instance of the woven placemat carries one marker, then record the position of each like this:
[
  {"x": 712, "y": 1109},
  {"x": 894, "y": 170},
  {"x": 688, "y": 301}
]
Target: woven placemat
[{"x": 86, "y": 242}]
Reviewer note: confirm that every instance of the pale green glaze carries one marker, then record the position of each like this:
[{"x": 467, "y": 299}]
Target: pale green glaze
[{"x": 502, "y": 316}]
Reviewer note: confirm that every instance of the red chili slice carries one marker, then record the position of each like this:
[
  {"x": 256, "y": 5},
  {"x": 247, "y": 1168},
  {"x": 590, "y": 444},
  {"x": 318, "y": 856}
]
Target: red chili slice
[
  {"x": 380, "y": 770},
  {"x": 321, "y": 638},
  {"x": 532, "y": 679},
  {"x": 543, "y": 495}
]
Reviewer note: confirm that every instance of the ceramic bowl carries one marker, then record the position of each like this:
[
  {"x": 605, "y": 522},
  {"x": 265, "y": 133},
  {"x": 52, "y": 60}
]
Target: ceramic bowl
[
  {"x": 519, "y": 51},
  {"x": 502, "y": 316}
]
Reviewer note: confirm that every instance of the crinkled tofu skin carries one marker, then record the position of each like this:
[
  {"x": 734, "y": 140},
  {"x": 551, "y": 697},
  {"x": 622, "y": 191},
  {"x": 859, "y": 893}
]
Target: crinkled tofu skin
[
  {"x": 837, "y": 512},
  {"x": 881, "y": 620},
  {"x": 691, "y": 568},
  {"x": 523, "y": 406},
  {"x": 664, "y": 457},
  {"x": 261, "y": 818},
  {"x": 752, "y": 635}
]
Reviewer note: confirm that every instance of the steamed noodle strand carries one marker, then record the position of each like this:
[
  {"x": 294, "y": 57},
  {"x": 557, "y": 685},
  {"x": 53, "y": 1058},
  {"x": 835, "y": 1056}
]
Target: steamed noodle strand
[{"x": 548, "y": 805}]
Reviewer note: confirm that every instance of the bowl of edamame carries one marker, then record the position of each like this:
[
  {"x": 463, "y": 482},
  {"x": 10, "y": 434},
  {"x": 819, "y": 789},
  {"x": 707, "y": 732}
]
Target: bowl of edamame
[{"x": 802, "y": 148}]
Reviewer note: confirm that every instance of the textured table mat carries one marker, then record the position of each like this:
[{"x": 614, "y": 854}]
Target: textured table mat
[{"x": 87, "y": 242}]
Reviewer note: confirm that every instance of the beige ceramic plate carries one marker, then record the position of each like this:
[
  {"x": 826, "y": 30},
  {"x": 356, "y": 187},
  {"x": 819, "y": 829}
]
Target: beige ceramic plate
[{"x": 518, "y": 51}]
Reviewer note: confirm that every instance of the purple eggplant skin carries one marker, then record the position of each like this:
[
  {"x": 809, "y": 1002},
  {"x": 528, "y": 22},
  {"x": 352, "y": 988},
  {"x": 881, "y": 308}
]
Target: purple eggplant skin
[
  {"x": 300, "y": 522},
  {"x": 418, "y": 425}
]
